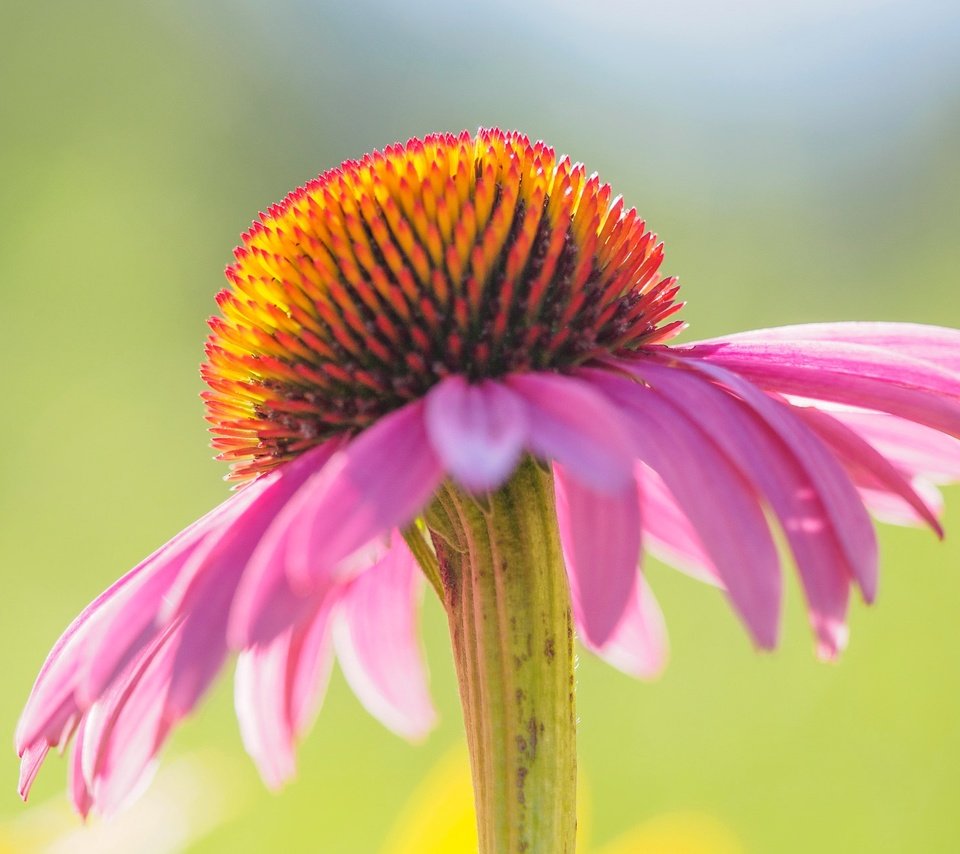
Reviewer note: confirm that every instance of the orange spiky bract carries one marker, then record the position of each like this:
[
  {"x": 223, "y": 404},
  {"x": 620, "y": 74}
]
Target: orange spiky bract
[{"x": 475, "y": 255}]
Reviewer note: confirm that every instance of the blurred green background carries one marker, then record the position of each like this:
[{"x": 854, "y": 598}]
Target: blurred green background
[{"x": 802, "y": 162}]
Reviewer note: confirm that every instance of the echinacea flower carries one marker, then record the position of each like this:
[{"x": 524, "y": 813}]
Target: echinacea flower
[{"x": 454, "y": 353}]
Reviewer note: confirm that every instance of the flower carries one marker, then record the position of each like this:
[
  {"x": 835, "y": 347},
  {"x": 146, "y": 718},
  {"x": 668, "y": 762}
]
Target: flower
[{"x": 430, "y": 316}]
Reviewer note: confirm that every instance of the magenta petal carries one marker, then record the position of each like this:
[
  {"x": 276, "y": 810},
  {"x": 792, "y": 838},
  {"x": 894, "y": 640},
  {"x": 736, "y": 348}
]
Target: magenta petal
[
  {"x": 135, "y": 616},
  {"x": 275, "y": 686},
  {"x": 853, "y": 374},
  {"x": 865, "y": 463},
  {"x": 715, "y": 497},
  {"x": 936, "y": 344},
  {"x": 126, "y": 729},
  {"x": 375, "y": 635},
  {"x": 479, "y": 430},
  {"x": 380, "y": 481},
  {"x": 780, "y": 476},
  {"x": 638, "y": 645},
  {"x": 668, "y": 533},
  {"x": 913, "y": 448},
  {"x": 600, "y": 534},
  {"x": 86, "y": 656},
  {"x": 576, "y": 426},
  {"x": 80, "y": 795},
  {"x": 30, "y": 761},
  {"x": 852, "y": 525},
  {"x": 204, "y": 594}
]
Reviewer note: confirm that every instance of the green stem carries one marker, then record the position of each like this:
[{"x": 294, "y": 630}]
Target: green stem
[{"x": 508, "y": 606}]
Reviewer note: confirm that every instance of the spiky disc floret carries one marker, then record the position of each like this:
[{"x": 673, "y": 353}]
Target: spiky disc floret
[{"x": 474, "y": 255}]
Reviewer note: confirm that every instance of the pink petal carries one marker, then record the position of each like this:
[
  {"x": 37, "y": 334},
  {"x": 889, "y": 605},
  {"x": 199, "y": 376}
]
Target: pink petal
[
  {"x": 378, "y": 481},
  {"x": 841, "y": 502},
  {"x": 768, "y": 462},
  {"x": 936, "y": 344},
  {"x": 205, "y": 590},
  {"x": 638, "y": 645},
  {"x": 715, "y": 497},
  {"x": 63, "y": 687},
  {"x": 377, "y": 646},
  {"x": 135, "y": 616},
  {"x": 911, "y": 447},
  {"x": 574, "y": 425},
  {"x": 478, "y": 430},
  {"x": 126, "y": 729},
  {"x": 865, "y": 463},
  {"x": 381, "y": 480},
  {"x": 80, "y": 795},
  {"x": 667, "y": 532},
  {"x": 890, "y": 508},
  {"x": 273, "y": 686},
  {"x": 600, "y": 534},
  {"x": 854, "y": 374},
  {"x": 30, "y": 761}
]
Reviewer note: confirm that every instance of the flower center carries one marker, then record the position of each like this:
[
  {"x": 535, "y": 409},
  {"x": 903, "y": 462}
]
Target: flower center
[{"x": 477, "y": 256}]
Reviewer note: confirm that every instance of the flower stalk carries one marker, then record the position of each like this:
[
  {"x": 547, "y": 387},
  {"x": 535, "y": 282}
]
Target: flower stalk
[{"x": 508, "y": 606}]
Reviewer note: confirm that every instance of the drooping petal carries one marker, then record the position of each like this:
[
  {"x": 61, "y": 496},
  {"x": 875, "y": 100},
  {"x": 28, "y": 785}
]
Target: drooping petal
[
  {"x": 638, "y": 645},
  {"x": 886, "y": 506},
  {"x": 377, "y": 482},
  {"x": 668, "y": 533},
  {"x": 852, "y": 525},
  {"x": 204, "y": 591},
  {"x": 780, "y": 477},
  {"x": 600, "y": 535},
  {"x": 63, "y": 688},
  {"x": 125, "y": 730},
  {"x": 380, "y": 481},
  {"x": 277, "y": 689},
  {"x": 30, "y": 761},
  {"x": 715, "y": 497},
  {"x": 375, "y": 635},
  {"x": 936, "y": 344},
  {"x": 855, "y": 374},
  {"x": 80, "y": 795},
  {"x": 913, "y": 448},
  {"x": 575, "y": 426},
  {"x": 478, "y": 430},
  {"x": 866, "y": 464}
]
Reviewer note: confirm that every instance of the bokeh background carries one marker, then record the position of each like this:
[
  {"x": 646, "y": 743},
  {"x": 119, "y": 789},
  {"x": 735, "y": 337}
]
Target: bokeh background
[{"x": 802, "y": 162}]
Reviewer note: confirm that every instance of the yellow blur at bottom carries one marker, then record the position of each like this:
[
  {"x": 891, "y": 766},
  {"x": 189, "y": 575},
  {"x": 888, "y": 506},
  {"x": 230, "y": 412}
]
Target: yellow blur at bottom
[{"x": 439, "y": 819}]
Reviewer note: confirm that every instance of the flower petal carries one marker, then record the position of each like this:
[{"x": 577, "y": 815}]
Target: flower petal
[
  {"x": 780, "y": 477},
  {"x": 638, "y": 645},
  {"x": 911, "y": 447},
  {"x": 106, "y": 635},
  {"x": 577, "y": 427},
  {"x": 387, "y": 473},
  {"x": 852, "y": 525},
  {"x": 30, "y": 761},
  {"x": 80, "y": 795},
  {"x": 865, "y": 463},
  {"x": 716, "y": 498},
  {"x": 204, "y": 592},
  {"x": 668, "y": 533},
  {"x": 600, "y": 534},
  {"x": 126, "y": 729},
  {"x": 478, "y": 430},
  {"x": 277, "y": 688},
  {"x": 375, "y": 635},
  {"x": 380, "y": 481},
  {"x": 936, "y": 344},
  {"x": 854, "y": 374}
]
